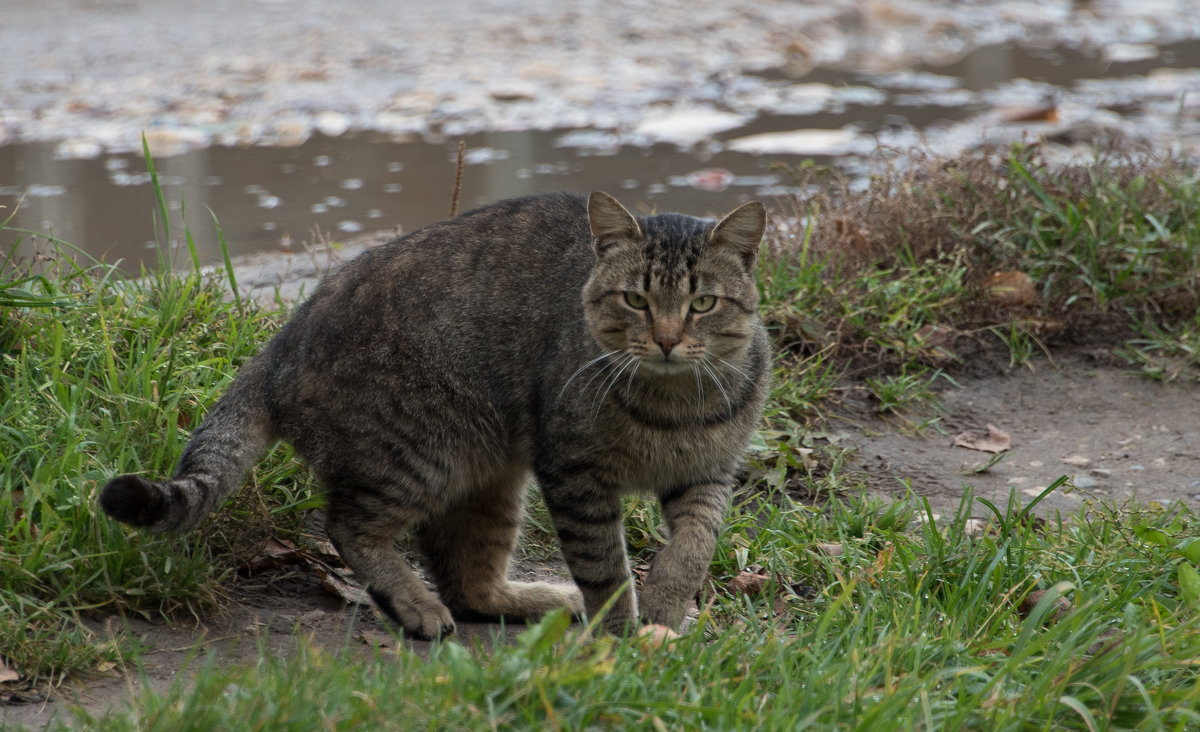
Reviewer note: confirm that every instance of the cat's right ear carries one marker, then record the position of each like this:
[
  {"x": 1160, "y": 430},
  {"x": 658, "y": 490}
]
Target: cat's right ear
[{"x": 610, "y": 222}]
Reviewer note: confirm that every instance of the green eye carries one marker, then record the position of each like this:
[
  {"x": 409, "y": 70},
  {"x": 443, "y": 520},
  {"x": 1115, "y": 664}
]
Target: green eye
[
  {"x": 703, "y": 304},
  {"x": 636, "y": 300}
]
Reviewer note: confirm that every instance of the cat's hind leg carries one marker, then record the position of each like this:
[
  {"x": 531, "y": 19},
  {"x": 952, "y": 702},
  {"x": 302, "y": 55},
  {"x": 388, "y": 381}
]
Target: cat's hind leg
[
  {"x": 363, "y": 525},
  {"x": 468, "y": 549}
]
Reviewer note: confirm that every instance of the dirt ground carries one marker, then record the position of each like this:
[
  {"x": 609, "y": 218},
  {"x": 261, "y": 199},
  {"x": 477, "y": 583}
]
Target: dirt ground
[{"x": 1114, "y": 433}]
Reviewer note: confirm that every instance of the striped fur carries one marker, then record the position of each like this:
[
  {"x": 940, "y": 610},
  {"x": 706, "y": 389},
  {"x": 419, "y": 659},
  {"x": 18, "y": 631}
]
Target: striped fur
[{"x": 551, "y": 336}]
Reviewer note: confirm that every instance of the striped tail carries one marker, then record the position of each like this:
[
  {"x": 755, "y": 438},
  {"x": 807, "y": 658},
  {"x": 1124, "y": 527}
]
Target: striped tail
[{"x": 233, "y": 435}]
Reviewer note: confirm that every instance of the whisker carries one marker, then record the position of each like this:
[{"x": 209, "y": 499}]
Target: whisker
[
  {"x": 730, "y": 365},
  {"x": 579, "y": 370},
  {"x": 608, "y": 383},
  {"x": 716, "y": 377}
]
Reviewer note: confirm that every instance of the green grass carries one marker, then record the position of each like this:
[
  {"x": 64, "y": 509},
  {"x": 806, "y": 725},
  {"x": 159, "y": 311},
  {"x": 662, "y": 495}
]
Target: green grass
[
  {"x": 920, "y": 628},
  {"x": 872, "y": 616}
]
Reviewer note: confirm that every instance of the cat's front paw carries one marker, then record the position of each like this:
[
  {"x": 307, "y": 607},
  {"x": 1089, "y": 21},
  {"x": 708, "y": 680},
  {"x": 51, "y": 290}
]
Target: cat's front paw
[
  {"x": 658, "y": 608},
  {"x": 421, "y": 618},
  {"x": 430, "y": 623}
]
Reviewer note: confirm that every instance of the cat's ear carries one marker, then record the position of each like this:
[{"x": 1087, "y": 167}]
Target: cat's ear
[
  {"x": 742, "y": 230},
  {"x": 610, "y": 222}
]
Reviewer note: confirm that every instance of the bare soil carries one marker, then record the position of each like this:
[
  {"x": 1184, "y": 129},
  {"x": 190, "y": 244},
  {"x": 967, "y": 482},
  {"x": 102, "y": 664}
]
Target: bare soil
[{"x": 1117, "y": 436}]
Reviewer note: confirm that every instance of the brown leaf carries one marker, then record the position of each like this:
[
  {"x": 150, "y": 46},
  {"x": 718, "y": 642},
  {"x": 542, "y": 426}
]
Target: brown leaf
[
  {"x": 993, "y": 440},
  {"x": 1107, "y": 641},
  {"x": 749, "y": 583},
  {"x": 276, "y": 553},
  {"x": 830, "y": 549},
  {"x": 1062, "y": 605},
  {"x": 374, "y": 638},
  {"x": 341, "y": 585},
  {"x": 1031, "y": 114},
  {"x": 656, "y": 636},
  {"x": 937, "y": 342},
  {"x": 1011, "y": 289}
]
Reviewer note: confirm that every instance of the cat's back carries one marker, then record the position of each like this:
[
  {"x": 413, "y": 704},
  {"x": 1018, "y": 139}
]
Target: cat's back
[
  {"x": 469, "y": 299},
  {"x": 501, "y": 256}
]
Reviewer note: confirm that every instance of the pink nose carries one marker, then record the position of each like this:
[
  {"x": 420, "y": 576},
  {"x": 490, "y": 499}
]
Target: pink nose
[{"x": 666, "y": 343}]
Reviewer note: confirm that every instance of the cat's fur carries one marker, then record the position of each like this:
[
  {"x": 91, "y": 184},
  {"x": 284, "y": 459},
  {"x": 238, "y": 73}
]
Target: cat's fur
[{"x": 425, "y": 382}]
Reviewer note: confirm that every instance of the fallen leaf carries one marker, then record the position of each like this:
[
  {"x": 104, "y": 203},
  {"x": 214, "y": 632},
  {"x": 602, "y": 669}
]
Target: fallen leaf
[
  {"x": 992, "y": 440},
  {"x": 374, "y": 639},
  {"x": 276, "y": 552},
  {"x": 1062, "y": 605},
  {"x": 339, "y": 584},
  {"x": 710, "y": 179},
  {"x": 656, "y": 636},
  {"x": 1106, "y": 641},
  {"x": 830, "y": 549},
  {"x": 7, "y": 674},
  {"x": 1031, "y": 114},
  {"x": 749, "y": 583},
  {"x": 1011, "y": 289},
  {"x": 937, "y": 342}
]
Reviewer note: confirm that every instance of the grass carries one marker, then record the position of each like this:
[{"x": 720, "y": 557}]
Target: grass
[
  {"x": 907, "y": 629},
  {"x": 858, "y": 615}
]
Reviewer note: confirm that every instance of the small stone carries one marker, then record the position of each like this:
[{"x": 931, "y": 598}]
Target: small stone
[
  {"x": 975, "y": 526},
  {"x": 1100, "y": 472},
  {"x": 1078, "y": 461},
  {"x": 1036, "y": 463},
  {"x": 1084, "y": 482}
]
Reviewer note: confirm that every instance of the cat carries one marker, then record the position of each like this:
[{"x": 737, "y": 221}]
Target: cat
[{"x": 552, "y": 335}]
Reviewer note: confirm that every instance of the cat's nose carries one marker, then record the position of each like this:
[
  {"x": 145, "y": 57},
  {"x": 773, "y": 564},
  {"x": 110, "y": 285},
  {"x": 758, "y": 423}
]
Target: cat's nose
[{"x": 666, "y": 343}]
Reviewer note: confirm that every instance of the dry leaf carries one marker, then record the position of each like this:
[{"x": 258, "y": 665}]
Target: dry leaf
[
  {"x": 830, "y": 550},
  {"x": 8, "y": 674},
  {"x": 1011, "y": 289},
  {"x": 937, "y": 341},
  {"x": 1031, "y": 114},
  {"x": 340, "y": 585},
  {"x": 749, "y": 583},
  {"x": 374, "y": 639},
  {"x": 1062, "y": 605},
  {"x": 993, "y": 440},
  {"x": 275, "y": 553},
  {"x": 656, "y": 635}
]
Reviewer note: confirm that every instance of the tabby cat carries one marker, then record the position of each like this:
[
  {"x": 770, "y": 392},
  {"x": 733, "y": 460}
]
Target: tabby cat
[{"x": 426, "y": 380}]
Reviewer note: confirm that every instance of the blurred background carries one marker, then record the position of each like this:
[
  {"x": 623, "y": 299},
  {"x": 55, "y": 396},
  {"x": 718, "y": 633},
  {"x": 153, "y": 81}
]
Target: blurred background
[{"x": 300, "y": 121}]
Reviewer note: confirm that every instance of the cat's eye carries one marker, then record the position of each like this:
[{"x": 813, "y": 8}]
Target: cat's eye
[
  {"x": 703, "y": 304},
  {"x": 636, "y": 300}
]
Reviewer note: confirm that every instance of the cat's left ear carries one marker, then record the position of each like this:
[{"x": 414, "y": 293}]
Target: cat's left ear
[
  {"x": 610, "y": 222},
  {"x": 742, "y": 230}
]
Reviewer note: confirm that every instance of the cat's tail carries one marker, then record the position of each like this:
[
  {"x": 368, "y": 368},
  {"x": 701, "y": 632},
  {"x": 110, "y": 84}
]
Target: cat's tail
[{"x": 233, "y": 435}]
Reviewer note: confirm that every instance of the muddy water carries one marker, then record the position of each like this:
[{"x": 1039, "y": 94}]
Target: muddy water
[{"x": 272, "y": 198}]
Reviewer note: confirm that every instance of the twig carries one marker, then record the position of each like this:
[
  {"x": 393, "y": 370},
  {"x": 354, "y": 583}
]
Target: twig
[{"x": 458, "y": 171}]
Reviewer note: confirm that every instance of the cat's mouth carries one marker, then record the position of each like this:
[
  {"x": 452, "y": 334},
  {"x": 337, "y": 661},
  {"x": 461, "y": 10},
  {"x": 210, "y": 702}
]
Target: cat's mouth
[{"x": 664, "y": 366}]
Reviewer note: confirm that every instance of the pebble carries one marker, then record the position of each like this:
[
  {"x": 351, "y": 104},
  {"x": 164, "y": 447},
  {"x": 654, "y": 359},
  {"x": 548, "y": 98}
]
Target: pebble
[
  {"x": 1078, "y": 461},
  {"x": 1084, "y": 482}
]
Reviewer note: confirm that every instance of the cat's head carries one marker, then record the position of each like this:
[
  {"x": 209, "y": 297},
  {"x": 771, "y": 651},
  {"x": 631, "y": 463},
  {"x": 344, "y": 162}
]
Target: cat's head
[{"x": 673, "y": 291}]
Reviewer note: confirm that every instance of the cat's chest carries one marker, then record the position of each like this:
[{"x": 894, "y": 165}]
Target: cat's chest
[{"x": 653, "y": 458}]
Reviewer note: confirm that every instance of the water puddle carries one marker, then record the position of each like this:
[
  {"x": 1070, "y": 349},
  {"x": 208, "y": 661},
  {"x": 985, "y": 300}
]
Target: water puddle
[{"x": 272, "y": 198}]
